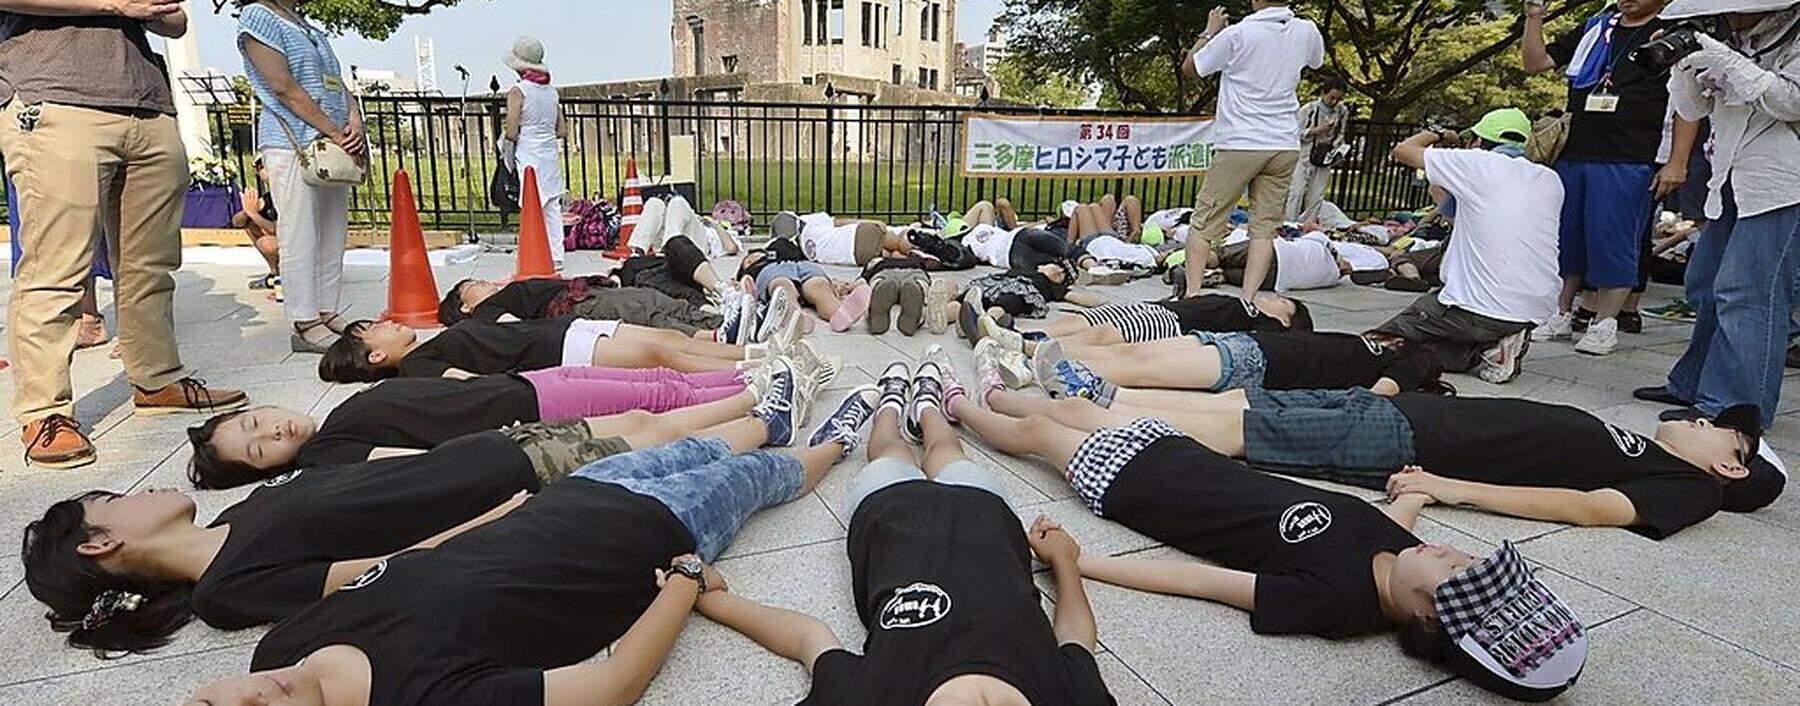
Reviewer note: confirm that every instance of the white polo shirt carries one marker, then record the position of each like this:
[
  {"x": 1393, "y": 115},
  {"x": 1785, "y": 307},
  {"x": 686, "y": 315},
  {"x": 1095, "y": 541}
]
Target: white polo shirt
[
  {"x": 1501, "y": 261},
  {"x": 1260, "y": 58}
]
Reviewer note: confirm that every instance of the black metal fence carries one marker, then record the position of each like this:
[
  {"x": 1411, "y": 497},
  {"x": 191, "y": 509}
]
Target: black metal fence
[{"x": 893, "y": 163}]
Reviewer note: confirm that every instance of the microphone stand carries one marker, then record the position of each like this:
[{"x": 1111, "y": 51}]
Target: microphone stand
[{"x": 462, "y": 119}]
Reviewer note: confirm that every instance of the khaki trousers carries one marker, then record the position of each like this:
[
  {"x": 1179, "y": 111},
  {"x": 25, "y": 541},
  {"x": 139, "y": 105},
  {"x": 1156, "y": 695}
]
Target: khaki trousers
[
  {"x": 79, "y": 171},
  {"x": 1265, "y": 173}
]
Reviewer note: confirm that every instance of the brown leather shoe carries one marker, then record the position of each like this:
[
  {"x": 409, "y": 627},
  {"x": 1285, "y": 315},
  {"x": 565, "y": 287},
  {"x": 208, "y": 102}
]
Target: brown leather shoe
[
  {"x": 189, "y": 395},
  {"x": 56, "y": 441}
]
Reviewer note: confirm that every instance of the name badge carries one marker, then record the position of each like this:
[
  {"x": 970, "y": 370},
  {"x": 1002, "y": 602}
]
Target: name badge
[
  {"x": 1602, "y": 103},
  {"x": 336, "y": 83}
]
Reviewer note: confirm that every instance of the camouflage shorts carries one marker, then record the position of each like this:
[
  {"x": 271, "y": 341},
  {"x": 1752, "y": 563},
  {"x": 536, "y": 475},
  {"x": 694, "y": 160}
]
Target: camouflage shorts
[{"x": 556, "y": 449}]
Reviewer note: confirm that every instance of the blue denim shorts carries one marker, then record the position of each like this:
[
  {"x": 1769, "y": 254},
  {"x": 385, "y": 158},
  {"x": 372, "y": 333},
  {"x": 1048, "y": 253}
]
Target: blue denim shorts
[
  {"x": 710, "y": 489},
  {"x": 797, "y": 271},
  {"x": 1241, "y": 362},
  {"x": 884, "y": 472},
  {"x": 1350, "y": 436}
]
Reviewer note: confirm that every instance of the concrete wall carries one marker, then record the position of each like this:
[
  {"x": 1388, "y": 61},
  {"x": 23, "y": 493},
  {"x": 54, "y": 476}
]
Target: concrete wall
[
  {"x": 750, "y": 30},
  {"x": 768, "y": 39}
]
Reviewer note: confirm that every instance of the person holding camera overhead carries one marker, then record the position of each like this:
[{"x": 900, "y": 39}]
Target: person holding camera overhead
[
  {"x": 298, "y": 80},
  {"x": 1617, "y": 109},
  {"x": 1738, "y": 64}
]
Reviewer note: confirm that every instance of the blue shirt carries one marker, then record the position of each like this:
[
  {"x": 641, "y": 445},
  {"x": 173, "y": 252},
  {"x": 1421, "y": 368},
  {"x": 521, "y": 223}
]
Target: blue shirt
[{"x": 313, "y": 64}]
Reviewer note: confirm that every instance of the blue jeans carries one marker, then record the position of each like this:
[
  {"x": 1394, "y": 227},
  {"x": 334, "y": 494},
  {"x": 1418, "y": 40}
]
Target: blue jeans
[
  {"x": 711, "y": 490},
  {"x": 1740, "y": 279},
  {"x": 1242, "y": 365}
]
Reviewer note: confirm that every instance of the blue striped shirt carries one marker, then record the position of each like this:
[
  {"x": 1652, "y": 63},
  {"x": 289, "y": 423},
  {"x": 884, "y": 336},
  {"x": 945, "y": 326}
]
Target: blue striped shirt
[{"x": 313, "y": 64}]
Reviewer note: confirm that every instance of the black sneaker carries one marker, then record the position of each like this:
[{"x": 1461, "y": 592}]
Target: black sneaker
[
  {"x": 1683, "y": 414},
  {"x": 1630, "y": 322},
  {"x": 845, "y": 425},
  {"x": 1582, "y": 318},
  {"x": 1793, "y": 357},
  {"x": 927, "y": 391},
  {"x": 1659, "y": 394},
  {"x": 896, "y": 387}
]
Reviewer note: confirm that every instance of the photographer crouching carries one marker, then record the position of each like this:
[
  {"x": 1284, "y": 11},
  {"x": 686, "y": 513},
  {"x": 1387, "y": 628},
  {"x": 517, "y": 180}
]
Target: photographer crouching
[{"x": 1737, "y": 62}]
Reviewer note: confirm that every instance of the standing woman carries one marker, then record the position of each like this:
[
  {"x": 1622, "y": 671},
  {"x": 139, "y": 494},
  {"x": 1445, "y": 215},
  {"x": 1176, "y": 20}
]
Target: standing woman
[
  {"x": 300, "y": 83},
  {"x": 535, "y": 127}
]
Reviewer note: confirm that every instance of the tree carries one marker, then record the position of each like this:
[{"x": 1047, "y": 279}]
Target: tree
[
  {"x": 1024, "y": 84},
  {"x": 1401, "y": 58},
  {"x": 375, "y": 19}
]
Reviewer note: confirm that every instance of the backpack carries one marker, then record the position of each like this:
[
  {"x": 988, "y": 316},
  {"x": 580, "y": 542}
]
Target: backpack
[{"x": 596, "y": 225}]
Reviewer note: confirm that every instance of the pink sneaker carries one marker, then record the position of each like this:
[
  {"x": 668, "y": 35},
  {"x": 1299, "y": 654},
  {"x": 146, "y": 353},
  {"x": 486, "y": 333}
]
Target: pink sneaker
[{"x": 854, "y": 308}]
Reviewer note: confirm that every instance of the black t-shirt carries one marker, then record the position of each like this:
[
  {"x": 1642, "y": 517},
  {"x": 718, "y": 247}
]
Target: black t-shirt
[
  {"x": 476, "y": 621},
  {"x": 1220, "y": 313},
  {"x": 1307, "y": 360},
  {"x": 1520, "y": 442},
  {"x": 1312, "y": 550},
  {"x": 942, "y": 580},
  {"x": 417, "y": 413},
  {"x": 486, "y": 348},
  {"x": 524, "y": 300},
  {"x": 286, "y": 535},
  {"x": 1633, "y": 132}
]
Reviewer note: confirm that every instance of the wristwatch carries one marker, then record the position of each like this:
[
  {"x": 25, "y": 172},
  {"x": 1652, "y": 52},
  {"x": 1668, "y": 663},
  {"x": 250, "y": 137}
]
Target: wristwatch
[{"x": 691, "y": 568}]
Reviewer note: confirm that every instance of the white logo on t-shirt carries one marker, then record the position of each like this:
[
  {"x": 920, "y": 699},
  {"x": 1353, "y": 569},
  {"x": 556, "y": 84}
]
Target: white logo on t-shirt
[
  {"x": 369, "y": 576},
  {"x": 282, "y": 479},
  {"x": 810, "y": 246},
  {"x": 1374, "y": 346},
  {"x": 1250, "y": 309},
  {"x": 1303, "y": 521},
  {"x": 915, "y": 606},
  {"x": 1631, "y": 444}
]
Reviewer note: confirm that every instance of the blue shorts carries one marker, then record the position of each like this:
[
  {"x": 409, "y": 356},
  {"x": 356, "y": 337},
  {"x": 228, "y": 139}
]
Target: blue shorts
[
  {"x": 798, "y": 271},
  {"x": 1345, "y": 436},
  {"x": 886, "y": 472},
  {"x": 1242, "y": 364},
  {"x": 1606, "y": 208},
  {"x": 710, "y": 489}
]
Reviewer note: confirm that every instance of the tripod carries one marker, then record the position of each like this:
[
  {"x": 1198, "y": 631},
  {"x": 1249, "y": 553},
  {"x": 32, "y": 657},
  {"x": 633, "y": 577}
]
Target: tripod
[{"x": 462, "y": 120}]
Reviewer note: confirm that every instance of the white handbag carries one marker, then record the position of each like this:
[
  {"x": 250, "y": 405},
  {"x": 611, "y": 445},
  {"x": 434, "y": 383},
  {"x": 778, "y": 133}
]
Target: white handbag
[{"x": 323, "y": 162}]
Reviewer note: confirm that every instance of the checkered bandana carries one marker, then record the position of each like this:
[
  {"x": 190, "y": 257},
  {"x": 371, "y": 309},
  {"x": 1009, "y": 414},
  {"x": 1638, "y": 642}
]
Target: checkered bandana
[
  {"x": 1508, "y": 613},
  {"x": 1105, "y": 452}
]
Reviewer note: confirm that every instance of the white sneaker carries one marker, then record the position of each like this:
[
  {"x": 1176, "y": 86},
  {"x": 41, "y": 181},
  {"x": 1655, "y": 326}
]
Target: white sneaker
[
  {"x": 1501, "y": 364},
  {"x": 1560, "y": 326},
  {"x": 1600, "y": 339}
]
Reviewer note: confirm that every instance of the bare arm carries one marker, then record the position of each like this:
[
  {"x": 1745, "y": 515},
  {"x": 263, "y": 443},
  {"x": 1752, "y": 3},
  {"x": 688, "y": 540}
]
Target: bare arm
[
  {"x": 1411, "y": 151},
  {"x": 1588, "y": 508},
  {"x": 1536, "y": 53},
  {"x": 562, "y": 124},
  {"x": 1404, "y": 510},
  {"x": 515, "y": 103},
  {"x": 795, "y": 636},
  {"x": 253, "y": 210},
  {"x": 274, "y": 69},
  {"x": 459, "y": 374},
  {"x": 162, "y": 17},
  {"x": 1681, "y": 146},
  {"x": 1082, "y": 297},
  {"x": 635, "y": 660},
  {"x": 1178, "y": 578},
  {"x": 343, "y": 571},
  {"x": 1074, "y": 618}
]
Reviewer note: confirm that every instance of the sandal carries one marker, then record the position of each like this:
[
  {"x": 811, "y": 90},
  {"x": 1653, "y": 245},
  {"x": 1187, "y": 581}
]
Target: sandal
[
  {"x": 336, "y": 323},
  {"x": 312, "y": 337}
]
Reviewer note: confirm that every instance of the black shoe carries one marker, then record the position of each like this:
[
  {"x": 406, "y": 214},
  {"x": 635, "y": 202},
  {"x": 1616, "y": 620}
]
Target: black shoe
[
  {"x": 1630, "y": 322},
  {"x": 1793, "y": 357},
  {"x": 1683, "y": 414},
  {"x": 968, "y": 316},
  {"x": 1660, "y": 395},
  {"x": 1582, "y": 318},
  {"x": 1406, "y": 284}
]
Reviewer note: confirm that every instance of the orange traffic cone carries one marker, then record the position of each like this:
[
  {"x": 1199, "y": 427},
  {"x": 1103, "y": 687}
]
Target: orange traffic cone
[
  {"x": 630, "y": 208},
  {"x": 534, "y": 241},
  {"x": 412, "y": 291}
]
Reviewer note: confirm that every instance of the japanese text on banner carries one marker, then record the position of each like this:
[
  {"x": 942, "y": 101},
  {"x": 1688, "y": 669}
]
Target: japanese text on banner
[{"x": 1058, "y": 146}]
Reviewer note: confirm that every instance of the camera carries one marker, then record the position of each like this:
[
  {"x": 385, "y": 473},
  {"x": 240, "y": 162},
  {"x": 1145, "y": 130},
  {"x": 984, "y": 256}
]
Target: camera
[{"x": 1674, "y": 45}]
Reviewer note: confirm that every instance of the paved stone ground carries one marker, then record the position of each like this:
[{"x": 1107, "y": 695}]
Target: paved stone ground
[{"x": 1705, "y": 617}]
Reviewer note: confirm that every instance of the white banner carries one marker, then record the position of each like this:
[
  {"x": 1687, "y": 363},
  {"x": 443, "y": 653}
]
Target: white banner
[{"x": 1085, "y": 146}]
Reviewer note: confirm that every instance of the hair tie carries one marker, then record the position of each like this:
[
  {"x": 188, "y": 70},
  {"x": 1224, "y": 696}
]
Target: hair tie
[{"x": 108, "y": 604}]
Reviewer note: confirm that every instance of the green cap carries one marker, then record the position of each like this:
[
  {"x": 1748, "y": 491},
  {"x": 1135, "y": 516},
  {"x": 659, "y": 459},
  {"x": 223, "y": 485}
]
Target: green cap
[
  {"x": 1152, "y": 234},
  {"x": 1507, "y": 126}
]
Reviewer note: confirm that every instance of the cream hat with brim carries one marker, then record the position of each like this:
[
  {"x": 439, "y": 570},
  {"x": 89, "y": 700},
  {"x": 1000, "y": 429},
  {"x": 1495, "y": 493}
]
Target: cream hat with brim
[{"x": 527, "y": 55}]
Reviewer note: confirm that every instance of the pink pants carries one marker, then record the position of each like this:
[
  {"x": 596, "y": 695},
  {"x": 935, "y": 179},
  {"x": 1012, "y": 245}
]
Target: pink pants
[{"x": 569, "y": 393}]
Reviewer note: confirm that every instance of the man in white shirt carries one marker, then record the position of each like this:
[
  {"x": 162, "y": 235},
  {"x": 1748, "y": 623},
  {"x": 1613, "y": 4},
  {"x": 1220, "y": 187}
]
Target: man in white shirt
[
  {"x": 1499, "y": 267},
  {"x": 1255, "y": 132}
]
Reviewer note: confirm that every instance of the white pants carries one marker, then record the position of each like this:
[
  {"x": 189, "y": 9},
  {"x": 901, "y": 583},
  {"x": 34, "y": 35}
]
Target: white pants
[
  {"x": 1307, "y": 189},
  {"x": 553, "y": 226},
  {"x": 662, "y": 220},
  {"x": 312, "y": 225}
]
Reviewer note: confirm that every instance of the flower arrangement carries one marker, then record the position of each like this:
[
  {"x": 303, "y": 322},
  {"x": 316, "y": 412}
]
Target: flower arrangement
[{"x": 212, "y": 171}]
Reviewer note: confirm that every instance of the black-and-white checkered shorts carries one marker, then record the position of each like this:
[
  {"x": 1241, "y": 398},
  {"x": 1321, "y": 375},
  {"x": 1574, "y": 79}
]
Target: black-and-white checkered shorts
[
  {"x": 1136, "y": 322},
  {"x": 1105, "y": 453}
]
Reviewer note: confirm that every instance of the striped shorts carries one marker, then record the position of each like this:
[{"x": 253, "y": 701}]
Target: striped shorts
[{"x": 1136, "y": 322}]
